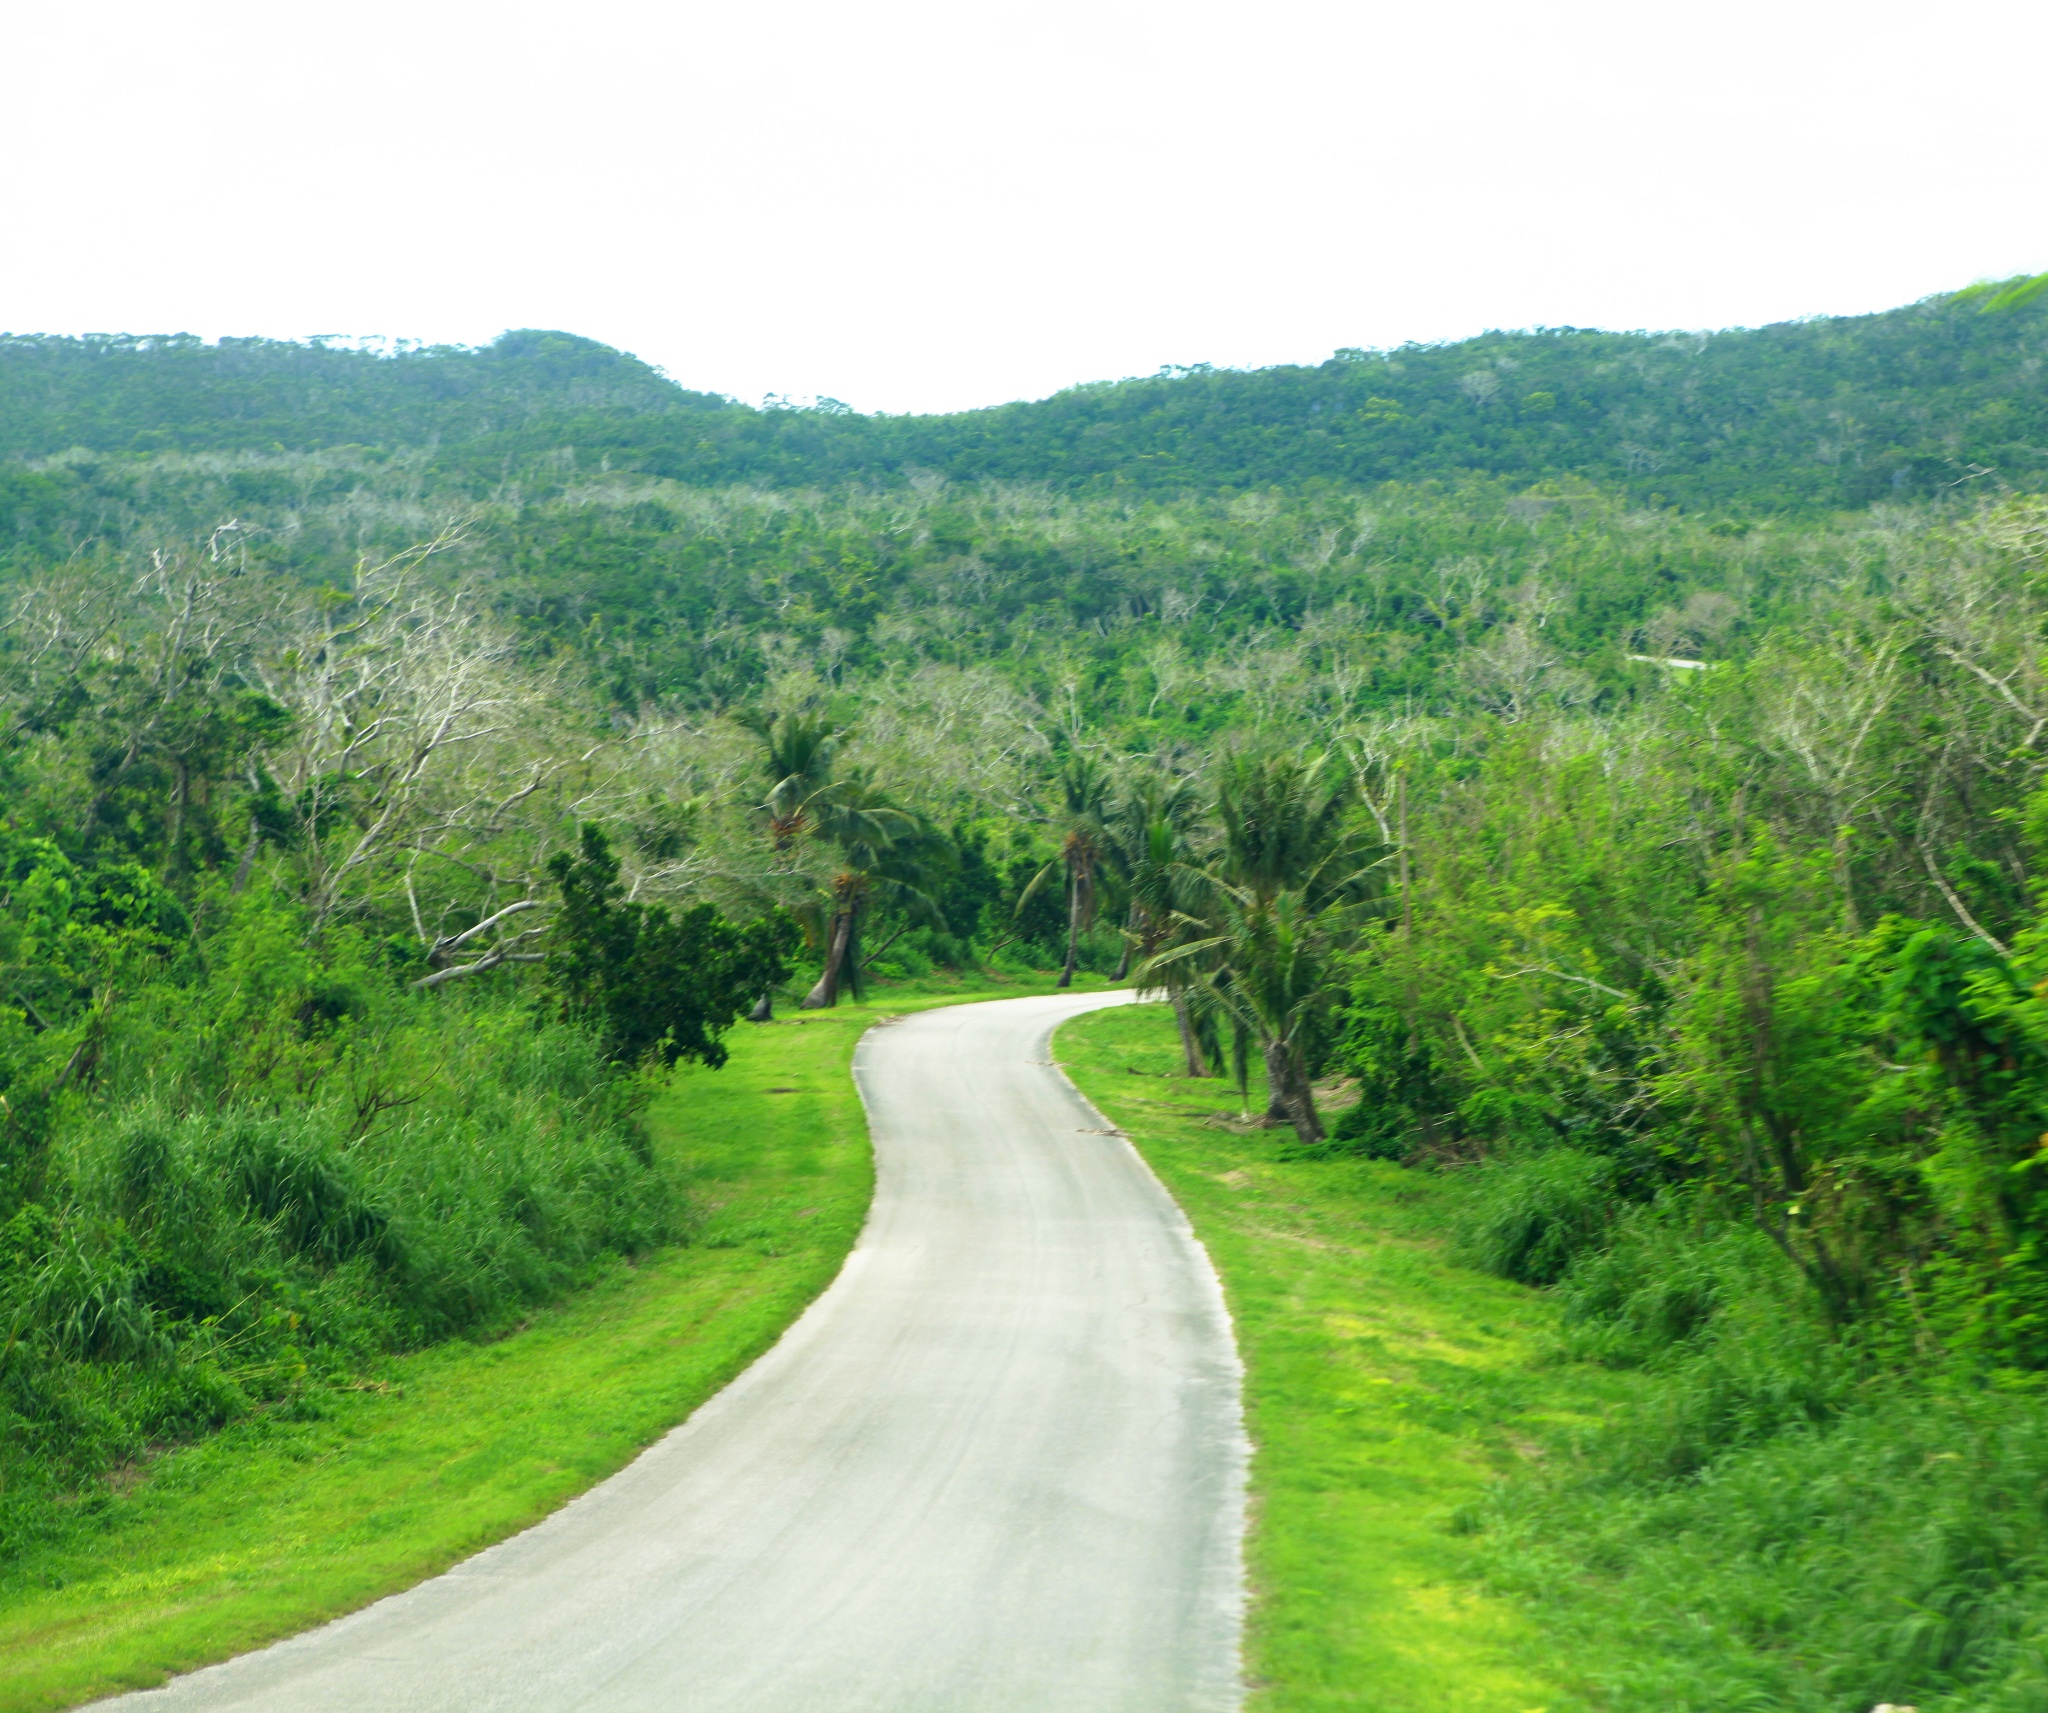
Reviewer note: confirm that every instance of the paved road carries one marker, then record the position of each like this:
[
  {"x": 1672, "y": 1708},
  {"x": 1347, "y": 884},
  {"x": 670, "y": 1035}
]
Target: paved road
[{"x": 996, "y": 1468}]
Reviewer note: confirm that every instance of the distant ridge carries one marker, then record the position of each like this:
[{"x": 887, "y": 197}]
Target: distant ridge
[{"x": 1829, "y": 412}]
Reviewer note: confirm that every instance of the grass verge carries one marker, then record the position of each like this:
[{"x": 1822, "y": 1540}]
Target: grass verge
[
  {"x": 1386, "y": 1387},
  {"x": 319, "y": 1507}
]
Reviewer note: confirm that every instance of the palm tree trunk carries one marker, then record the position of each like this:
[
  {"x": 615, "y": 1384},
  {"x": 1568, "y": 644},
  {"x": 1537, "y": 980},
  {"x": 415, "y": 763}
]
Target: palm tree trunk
[
  {"x": 1278, "y": 1110},
  {"x": 1123, "y": 964},
  {"x": 1073, "y": 926},
  {"x": 826, "y": 993},
  {"x": 1190, "y": 1047},
  {"x": 764, "y": 1009},
  {"x": 1241, "y": 1065},
  {"x": 1292, "y": 1092}
]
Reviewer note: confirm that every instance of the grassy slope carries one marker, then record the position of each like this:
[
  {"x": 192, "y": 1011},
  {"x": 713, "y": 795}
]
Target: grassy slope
[
  {"x": 1385, "y": 1387},
  {"x": 278, "y": 1524}
]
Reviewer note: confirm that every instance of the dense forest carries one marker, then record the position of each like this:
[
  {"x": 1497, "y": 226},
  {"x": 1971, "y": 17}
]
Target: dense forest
[{"x": 1607, "y": 770}]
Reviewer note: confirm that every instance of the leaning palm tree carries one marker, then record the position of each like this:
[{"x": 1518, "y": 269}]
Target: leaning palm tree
[
  {"x": 800, "y": 750},
  {"x": 1267, "y": 964},
  {"x": 1152, "y": 832},
  {"x": 882, "y": 849},
  {"x": 1084, "y": 847},
  {"x": 1256, "y": 942}
]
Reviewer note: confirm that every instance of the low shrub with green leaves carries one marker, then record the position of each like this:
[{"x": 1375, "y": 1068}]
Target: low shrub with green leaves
[
  {"x": 1530, "y": 1216},
  {"x": 282, "y": 1162}
]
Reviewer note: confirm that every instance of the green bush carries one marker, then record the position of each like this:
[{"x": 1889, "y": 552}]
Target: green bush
[
  {"x": 285, "y": 1163},
  {"x": 1528, "y": 1215},
  {"x": 1891, "y": 1555},
  {"x": 1666, "y": 1271}
]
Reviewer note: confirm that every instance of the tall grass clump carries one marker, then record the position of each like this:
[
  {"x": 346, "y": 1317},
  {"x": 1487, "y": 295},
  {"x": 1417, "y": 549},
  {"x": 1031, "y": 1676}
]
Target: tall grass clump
[
  {"x": 1791, "y": 1515},
  {"x": 1888, "y": 1552},
  {"x": 284, "y": 1164},
  {"x": 1529, "y": 1214}
]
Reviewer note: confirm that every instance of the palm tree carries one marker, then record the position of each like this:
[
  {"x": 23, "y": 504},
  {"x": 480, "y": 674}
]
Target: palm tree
[
  {"x": 880, "y": 844},
  {"x": 1285, "y": 826},
  {"x": 1284, "y": 893},
  {"x": 800, "y": 752},
  {"x": 1150, "y": 803},
  {"x": 1084, "y": 789},
  {"x": 1271, "y": 962},
  {"x": 883, "y": 848},
  {"x": 1151, "y": 831}
]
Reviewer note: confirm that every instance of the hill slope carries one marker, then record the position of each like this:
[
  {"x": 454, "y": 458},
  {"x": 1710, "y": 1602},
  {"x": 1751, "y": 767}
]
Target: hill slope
[{"x": 1822, "y": 413}]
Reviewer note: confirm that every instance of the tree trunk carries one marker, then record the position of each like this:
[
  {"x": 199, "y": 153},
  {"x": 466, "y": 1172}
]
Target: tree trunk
[
  {"x": 174, "y": 835},
  {"x": 1852, "y": 921},
  {"x": 1191, "y": 1049},
  {"x": 1073, "y": 927},
  {"x": 826, "y": 993},
  {"x": 1241, "y": 1066},
  {"x": 1123, "y": 964},
  {"x": 764, "y": 1009},
  {"x": 1293, "y": 1095},
  {"x": 248, "y": 861},
  {"x": 1279, "y": 1108}
]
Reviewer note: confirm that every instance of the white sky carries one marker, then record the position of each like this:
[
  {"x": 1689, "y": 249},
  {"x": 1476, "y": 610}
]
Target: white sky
[{"x": 910, "y": 205}]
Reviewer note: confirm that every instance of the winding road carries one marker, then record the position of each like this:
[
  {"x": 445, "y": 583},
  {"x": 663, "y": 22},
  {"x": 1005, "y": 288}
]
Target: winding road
[{"x": 998, "y": 1467}]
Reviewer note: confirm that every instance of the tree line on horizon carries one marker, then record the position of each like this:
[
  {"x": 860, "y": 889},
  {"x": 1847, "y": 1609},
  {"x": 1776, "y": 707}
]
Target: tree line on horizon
[{"x": 1788, "y": 418}]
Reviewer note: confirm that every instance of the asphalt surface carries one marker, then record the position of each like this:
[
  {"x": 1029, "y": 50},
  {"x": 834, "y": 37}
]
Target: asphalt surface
[{"x": 998, "y": 1467}]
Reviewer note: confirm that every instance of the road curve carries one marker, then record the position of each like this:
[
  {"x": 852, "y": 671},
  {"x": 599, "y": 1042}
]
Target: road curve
[{"x": 997, "y": 1467}]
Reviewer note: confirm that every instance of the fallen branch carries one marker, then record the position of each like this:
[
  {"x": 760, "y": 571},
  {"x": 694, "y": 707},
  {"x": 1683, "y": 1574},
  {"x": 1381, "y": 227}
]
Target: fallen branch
[
  {"x": 1962, "y": 911},
  {"x": 455, "y": 942},
  {"x": 489, "y": 961},
  {"x": 1582, "y": 980}
]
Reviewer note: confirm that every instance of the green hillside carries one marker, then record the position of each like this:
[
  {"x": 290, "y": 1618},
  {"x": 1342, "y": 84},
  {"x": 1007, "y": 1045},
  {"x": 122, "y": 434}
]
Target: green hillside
[
  {"x": 124, "y": 393},
  {"x": 1839, "y": 411}
]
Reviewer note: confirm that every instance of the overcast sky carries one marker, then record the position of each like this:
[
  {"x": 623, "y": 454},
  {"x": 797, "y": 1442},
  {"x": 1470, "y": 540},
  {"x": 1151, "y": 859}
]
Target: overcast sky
[{"x": 920, "y": 206}]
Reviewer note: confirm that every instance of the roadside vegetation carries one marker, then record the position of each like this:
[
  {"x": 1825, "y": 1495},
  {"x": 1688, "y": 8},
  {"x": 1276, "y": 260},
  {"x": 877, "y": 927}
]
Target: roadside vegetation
[
  {"x": 342, "y": 953},
  {"x": 1387, "y": 1387},
  {"x": 1478, "y": 1496},
  {"x": 361, "y": 1482}
]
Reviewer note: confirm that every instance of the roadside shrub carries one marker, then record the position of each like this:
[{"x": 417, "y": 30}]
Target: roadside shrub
[
  {"x": 1892, "y": 1553},
  {"x": 1528, "y": 1216},
  {"x": 1394, "y": 1075},
  {"x": 86, "y": 1295},
  {"x": 651, "y": 983},
  {"x": 1760, "y": 1378},
  {"x": 301, "y": 1190},
  {"x": 1666, "y": 1270},
  {"x": 224, "y": 1226}
]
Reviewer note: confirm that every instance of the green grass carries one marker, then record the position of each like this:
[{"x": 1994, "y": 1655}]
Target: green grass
[
  {"x": 1386, "y": 1388},
  {"x": 316, "y": 1508}
]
